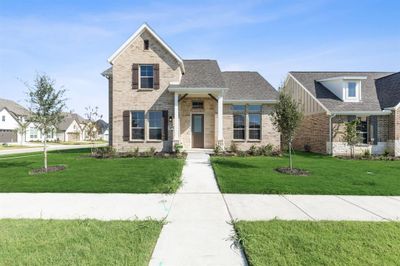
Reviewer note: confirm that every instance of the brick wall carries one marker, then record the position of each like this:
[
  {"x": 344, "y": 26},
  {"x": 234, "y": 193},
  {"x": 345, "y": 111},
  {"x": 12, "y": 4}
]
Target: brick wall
[{"x": 313, "y": 131}]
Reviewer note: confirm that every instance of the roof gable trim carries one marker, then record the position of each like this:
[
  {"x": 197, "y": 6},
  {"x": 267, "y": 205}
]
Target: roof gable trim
[{"x": 137, "y": 33}]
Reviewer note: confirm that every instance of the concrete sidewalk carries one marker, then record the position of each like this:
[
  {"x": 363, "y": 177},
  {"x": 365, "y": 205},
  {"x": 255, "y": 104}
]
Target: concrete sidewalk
[
  {"x": 313, "y": 207},
  {"x": 51, "y": 147},
  {"x": 198, "y": 231}
]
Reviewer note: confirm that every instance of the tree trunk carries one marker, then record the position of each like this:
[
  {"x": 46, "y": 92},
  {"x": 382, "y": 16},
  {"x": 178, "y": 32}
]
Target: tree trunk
[
  {"x": 45, "y": 151},
  {"x": 290, "y": 156}
]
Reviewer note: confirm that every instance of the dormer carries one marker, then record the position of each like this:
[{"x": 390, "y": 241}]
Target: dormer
[{"x": 346, "y": 88}]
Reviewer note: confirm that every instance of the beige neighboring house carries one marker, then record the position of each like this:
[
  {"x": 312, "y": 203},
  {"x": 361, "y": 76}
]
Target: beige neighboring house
[
  {"x": 329, "y": 99},
  {"x": 12, "y": 115},
  {"x": 71, "y": 128},
  {"x": 157, "y": 99}
]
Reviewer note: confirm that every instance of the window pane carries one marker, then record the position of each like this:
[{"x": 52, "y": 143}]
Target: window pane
[
  {"x": 254, "y": 108},
  {"x": 362, "y": 131},
  {"x": 155, "y": 133},
  {"x": 146, "y": 71},
  {"x": 254, "y": 120},
  {"x": 254, "y": 134},
  {"x": 238, "y": 108},
  {"x": 352, "y": 89},
  {"x": 138, "y": 119},
  {"x": 197, "y": 104},
  {"x": 155, "y": 119},
  {"x": 197, "y": 124},
  {"x": 137, "y": 133},
  {"x": 238, "y": 134},
  {"x": 146, "y": 83},
  {"x": 238, "y": 121}
]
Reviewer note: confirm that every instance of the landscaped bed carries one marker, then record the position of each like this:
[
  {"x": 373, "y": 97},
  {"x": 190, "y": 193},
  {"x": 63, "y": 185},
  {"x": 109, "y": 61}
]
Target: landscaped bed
[
  {"x": 86, "y": 174},
  {"x": 77, "y": 242},
  {"x": 320, "y": 243},
  {"x": 327, "y": 175}
]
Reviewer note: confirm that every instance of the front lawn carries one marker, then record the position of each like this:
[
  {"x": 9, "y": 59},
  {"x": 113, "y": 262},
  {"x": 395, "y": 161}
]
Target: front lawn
[
  {"x": 320, "y": 243},
  {"x": 77, "y": 242},
  {"x": 85, "y": 174},
  {"x": 329, "y": 176}
]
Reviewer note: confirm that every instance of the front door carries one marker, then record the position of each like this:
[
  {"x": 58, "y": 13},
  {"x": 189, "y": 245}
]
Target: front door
[{"x": 197, "y": 131}]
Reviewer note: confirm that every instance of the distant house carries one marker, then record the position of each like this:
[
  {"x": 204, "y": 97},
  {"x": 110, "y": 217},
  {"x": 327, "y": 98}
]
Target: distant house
[
  {"x": 71, "y": 128},
  {"x": 102, "y": 130},
  {"x": 329, "y": 99},
  {"x": 11, "y": 116}
]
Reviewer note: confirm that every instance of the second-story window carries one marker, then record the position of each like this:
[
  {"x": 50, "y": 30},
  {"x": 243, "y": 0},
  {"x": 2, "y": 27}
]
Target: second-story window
[
  {"x": 146, "y": 77},
  {"x": 146, "y": 44},
  {"x": 352, "y": 87},
  {"x": 3, "y": 118}
]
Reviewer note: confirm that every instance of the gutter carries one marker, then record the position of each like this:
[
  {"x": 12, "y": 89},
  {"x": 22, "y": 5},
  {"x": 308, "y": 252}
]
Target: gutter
[
  {"x": 383, "y": 112},
  {"x": 251, "y": 101}
]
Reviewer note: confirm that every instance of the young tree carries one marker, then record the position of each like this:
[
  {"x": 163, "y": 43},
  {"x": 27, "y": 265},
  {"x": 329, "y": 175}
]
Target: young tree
[
  {"x": 286, "y": 117},
  {"x": 46, "y": 104},
  {"x": 350, "y": 135},
  {"x": 91, "y": 115}
]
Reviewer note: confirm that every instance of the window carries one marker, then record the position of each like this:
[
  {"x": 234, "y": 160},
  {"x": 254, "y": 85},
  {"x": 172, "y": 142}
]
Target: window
[
  {"x": 197, "y": 105},
  {"x": 362, "y": 131},
  {"x": 155, "y": 125},
  {"x": 254, "y": 108},
  {"x": 3, "y": 118},
  {"x": 146, "y": 76},
  {"x": 146, "y": 44},
  {"x": 351, "y": 89},
  {"x": 33, "y": 133},
  {"x": 137, "y": 125},
  {"x": 239, "y": 122},
  {"x": 254, "y": 126}
]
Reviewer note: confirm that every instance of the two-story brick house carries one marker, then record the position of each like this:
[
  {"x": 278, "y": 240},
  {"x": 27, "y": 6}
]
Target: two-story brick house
[{"x": 157, "y": 99}]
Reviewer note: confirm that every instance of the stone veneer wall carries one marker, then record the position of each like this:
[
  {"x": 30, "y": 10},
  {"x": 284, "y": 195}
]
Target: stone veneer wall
[
  {"x": 268, "y": 133},
  {"x": 313, "y": 131},
  {"x": 126, "y": 98},
  {"x": 210, "y": 117}
]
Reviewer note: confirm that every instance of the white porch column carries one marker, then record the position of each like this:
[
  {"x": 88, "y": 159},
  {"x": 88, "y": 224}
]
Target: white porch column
[
  {"x": 220, "y": 121},
  {"x": 176, "y": 118}
]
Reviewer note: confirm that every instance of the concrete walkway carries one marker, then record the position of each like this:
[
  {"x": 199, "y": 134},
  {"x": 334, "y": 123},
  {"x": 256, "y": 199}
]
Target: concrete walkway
[
  {"x": 198, "y": 231},
  {"x": 51, "y": 147}
]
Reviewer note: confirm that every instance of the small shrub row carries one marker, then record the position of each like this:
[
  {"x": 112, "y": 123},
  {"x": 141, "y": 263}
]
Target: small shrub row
[
  {"x": 254, "y": 150},
  {"x": 110, "y": 152}
]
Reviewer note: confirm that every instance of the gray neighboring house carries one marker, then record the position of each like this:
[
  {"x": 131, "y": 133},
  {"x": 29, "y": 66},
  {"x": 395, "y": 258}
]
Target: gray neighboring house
[
  {"x": 102, "y": 130},
  {"x": 329, "y": 99},
  {"x": 157, "y": 99}
]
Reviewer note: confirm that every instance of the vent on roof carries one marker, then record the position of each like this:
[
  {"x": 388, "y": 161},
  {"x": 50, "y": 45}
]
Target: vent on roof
[{"x": 146, "y": 44}]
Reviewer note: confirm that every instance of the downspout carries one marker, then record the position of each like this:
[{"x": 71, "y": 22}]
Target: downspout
[{"x": 330, "y": 133}]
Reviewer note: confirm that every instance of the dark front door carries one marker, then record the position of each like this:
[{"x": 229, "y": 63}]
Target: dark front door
[{"x": 197, "y": 131}]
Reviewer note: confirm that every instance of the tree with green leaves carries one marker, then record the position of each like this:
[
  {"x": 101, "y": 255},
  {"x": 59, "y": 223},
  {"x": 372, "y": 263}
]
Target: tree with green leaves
[
  {"x": 286, "y": 117},
  {"x": 91, "y": 116},
  {"x": 47, "y": 105},
  {"x": 350, "y": 135}
]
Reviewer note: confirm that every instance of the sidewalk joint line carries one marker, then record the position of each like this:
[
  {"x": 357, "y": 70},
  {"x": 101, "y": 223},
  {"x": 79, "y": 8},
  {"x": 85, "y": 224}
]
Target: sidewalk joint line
[
  {"x": 393, "y": 198},
  {"x": 312, "y": 218},
  {"x": 354, "y": 204}
]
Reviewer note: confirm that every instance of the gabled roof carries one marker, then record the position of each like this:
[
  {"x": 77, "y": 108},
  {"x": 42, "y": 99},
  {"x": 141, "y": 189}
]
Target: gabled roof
[
  {"x": 137, "y": 33},
  {"x": 369, "y": 96},
  {"x": 13, "y": 107},
  {"x": 102, "y": 126},
  {"x": 388, "y": 89},
  {"x": 246, "y": 85},
  {"x": 68, "y": 119},
  {"x": 201, "y": 73}
]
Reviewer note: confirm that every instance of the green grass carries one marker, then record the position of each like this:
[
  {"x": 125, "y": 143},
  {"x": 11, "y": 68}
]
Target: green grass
[
  {"x": 77, "y": 242},
  {"x": 327, "y": 175},
  {"x": 320, "y": 243},
  {"x": 85, "y": 174}
]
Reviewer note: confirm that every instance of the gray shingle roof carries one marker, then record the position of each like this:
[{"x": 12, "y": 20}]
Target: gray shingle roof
[
  {"x": 245, "y": 85},
  {"x": 68, "y": 119},
  {"x": 15, "y": 108},
  {"x": 369, "y": 97},
  {"x": 388, "y": 89},
  {"x": 202, "y": 73},
  {"x": 102, "y": 125},
  {"x": 107, "y": 72}
]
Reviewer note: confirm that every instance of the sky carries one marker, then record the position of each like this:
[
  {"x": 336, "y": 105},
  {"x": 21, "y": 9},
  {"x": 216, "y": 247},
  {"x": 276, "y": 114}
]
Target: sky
[{"x": 71, "y": 40}]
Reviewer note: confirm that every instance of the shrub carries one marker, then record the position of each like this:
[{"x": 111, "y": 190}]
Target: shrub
[
  {"x": 104, "y": 152},
  {"x": 386, "y": 153},
  {"x": 218, "y": 150},
  {"x": 178, "y": 148},
  {"x": 266, "y": 150},
  {"x": 233, "y": 148},
  {"x": 307, "y": 148},
  {"x": 241, "y": 153},
  {"x": 253, "y": 150},
  {"x": 367, "y": 154},
  {"x": 150, "y": 152},
  {"x": 136, "y": 152}
]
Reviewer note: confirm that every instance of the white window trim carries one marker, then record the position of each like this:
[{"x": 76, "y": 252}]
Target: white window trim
[
  {"x": 140, "y": 77},
  {"x": 346, "y": 97},
  {"x": 130, "y": 126}
]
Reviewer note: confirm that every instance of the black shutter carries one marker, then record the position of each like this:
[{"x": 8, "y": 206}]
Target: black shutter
[
  {"x": 374, "y": 124},
  {"x": 156, "y": 80},
  {"x": 165, "y": 116},
  {"x": 125, "y": 126},
  {"x": 135, "y": 76}
]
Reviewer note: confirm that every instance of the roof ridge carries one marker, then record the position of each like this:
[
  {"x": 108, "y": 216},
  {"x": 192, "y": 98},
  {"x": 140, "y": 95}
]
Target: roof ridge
[{"x": 395, "y": 73}]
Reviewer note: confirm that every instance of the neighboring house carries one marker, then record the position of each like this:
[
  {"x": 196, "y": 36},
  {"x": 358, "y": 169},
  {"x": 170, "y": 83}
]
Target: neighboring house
[
  {"x": 156, "y": 99},
  {"x": 11, "y": 116},
  {"x": 329, "y": 99},
  {"x": 102, "y": 129},
  {"x": 70, "y": 128}
]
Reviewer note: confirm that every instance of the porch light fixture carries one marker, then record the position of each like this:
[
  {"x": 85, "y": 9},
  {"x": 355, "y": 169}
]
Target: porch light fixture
[{"x": 170, "y": 118}]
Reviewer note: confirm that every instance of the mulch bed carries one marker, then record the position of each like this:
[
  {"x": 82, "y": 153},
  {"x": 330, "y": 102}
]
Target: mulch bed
[
  {"x": 294, "y": 171},
  {"x": 49, "y": 169}
]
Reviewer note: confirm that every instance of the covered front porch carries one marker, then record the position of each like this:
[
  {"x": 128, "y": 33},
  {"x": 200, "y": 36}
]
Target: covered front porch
[{"x": 198, "y": 117}]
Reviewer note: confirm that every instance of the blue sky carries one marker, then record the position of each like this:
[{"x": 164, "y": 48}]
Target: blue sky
[{"x": 71, "y": 40}]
